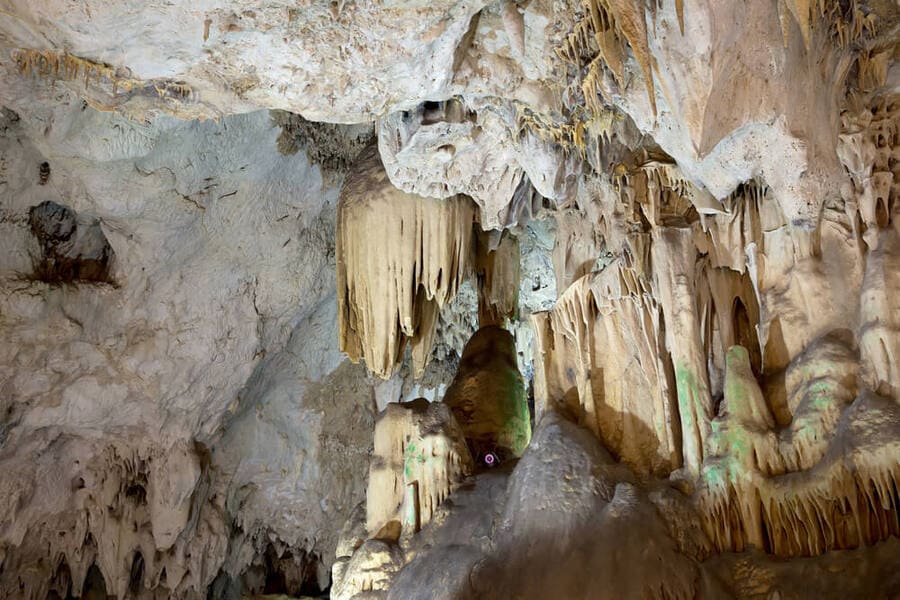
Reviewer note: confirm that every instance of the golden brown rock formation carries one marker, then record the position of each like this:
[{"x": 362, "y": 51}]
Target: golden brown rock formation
[
  {"x": 487, "y": 396},
  {"x": 400, "y": 258},
  {"x": 420, "y": 456},
  {"x": 600, "y": 354},
  {"x": 497, "y": 274},
  {"x": 827, "y": 481}
]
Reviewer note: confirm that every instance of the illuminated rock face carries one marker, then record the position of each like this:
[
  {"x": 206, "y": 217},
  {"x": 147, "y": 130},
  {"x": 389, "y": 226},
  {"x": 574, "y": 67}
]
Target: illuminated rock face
[
  {"x": 601, "y": 356},
  {"x": 674, "y": 224},
  {"x": 420, "y": 456}
]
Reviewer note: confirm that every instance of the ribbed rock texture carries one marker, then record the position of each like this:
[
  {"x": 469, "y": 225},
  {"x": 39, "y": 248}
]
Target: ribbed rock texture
[
  {"x": 400, "y": 258},
  {"x": 420, "y": 456}
]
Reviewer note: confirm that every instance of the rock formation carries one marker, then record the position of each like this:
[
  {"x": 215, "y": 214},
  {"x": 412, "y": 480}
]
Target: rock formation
[
  {"x": 487, "y": 396},
  {"x": 400, "y": 258},
  {"x": 419, "y": 458},
  {"x": 582, "y": 298}
]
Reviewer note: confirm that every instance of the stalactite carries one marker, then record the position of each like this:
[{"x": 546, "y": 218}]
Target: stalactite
[
  {"x": 581, "y": 132},
  {"x": 706, "y": 301},
  {"x": 607, "y": 26},
  {"x": 400, "y": 258},
  {"x": 750, "y": 216},
  {"x": 601, "y": 358},
  {"x": 729, "y": 314},
  {"x": 657, "y": 188},
  {"x": 497, "y": 274},
  {"x": 124, "y": 503},
  {"x": 847, "y": 25}
]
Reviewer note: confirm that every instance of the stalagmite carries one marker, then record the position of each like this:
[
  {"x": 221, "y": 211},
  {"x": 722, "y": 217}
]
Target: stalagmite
[
  {"x": 369, "y": 571},
  {"x": 674, "y": 259},
  {"x": 400, "y": 258},
  {"x": 819, "y": 386},
  {"x": 420, "y": 457},
  {"x": 880, "y": 316},
  {"x": 487, "y": 396},
  {"x": 743, "y": 440}
]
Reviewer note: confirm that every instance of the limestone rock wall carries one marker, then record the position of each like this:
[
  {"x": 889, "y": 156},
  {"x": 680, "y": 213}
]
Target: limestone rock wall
[{"x": 168, "y": 417}]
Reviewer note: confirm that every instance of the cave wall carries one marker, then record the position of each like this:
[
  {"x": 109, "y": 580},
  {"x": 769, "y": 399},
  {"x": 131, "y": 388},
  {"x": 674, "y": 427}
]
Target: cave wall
[
  {"x": 700, "y": 195},
  {"x": 174, "y": 414}
]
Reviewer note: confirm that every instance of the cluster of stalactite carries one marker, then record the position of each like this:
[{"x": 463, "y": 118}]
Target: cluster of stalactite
[
  {"x": 712, "y": 344},
  {"x": 716, "y": 342},
  {"x": 607, "y": 35},
  {"x": 497, "y": 274},
  {"x": 130, "y": 521},
  {"x": 402, "y": 257},
  {"x": 104, "y": 86},
  {"x": 601, "y": 355},
  {"x": 703, "y": 346}
]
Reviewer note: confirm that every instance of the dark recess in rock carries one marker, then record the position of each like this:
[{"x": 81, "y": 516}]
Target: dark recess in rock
[
  {"x": 73, "y": 248},
  {"x": 330, "y": 145},
  {"x": 44, "y": 173}
]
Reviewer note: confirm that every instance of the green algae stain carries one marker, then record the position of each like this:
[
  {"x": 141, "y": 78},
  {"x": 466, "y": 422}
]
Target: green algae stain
[
  {"x": 410, "y": 458},
  {"x": 688, "y": 389},
  {"x": 411, "y": 509},
  {"x": 515, "y": 433}
]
